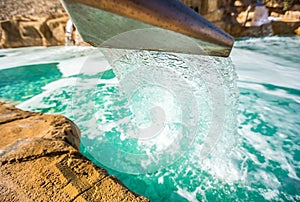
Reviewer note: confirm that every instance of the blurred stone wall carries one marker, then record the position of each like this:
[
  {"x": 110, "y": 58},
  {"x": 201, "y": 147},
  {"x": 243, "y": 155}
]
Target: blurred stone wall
[
  {"x": 12, "y": 8},
  {"x": 233, "y": 17},
  {"x": 32, "y": 23},
  {"x": 21, "y": 31},
  {"x": 42, "y": 22}
]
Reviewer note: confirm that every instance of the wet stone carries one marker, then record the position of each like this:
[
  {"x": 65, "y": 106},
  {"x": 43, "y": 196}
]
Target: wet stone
[{"x": 40, "y": 161}]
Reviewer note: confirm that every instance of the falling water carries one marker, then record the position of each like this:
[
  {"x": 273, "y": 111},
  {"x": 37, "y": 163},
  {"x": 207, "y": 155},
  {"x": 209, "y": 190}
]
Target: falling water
[{"x": 172, "y": 117}]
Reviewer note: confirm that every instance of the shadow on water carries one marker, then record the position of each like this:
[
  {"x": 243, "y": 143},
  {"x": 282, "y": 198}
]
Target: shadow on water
[{"x": 24, "y": 82}]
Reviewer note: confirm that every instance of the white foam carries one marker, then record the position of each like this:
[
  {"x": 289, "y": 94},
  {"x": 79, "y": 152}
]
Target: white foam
[
  {"x": 190, "y": 196},
  {"x": 41, "y": 55},
  {"x": 36, "y": 101},
  {"x": 88, "y": 65},
  {"x": 261, "y": 68}
]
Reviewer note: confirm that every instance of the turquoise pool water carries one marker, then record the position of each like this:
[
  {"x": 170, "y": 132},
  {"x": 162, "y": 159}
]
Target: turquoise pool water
[{"x": 264, "y": 159}]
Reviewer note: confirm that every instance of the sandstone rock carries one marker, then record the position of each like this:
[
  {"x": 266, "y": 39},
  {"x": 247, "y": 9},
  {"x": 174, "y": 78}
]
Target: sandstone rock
[
  {"x": 42, "y": 8},
  {"x": 57, "y": 29},
  {"x": 297, "y": 31},
  {"x": 282, "y": 28},
  {"x": 212, "y": 6},
  {"x": 292, "y": 16},
  {"x": 296, "y": 7},
  {"x": 274, "y": 4},
  {"x": 215, "y": 16},
  {"x": 33, "y": 31},
  {"x": 192, "y": 3},
  {"x": 276, "y": 15},
  {"x": 237, "y": 30},
  {"x": 40, "y": 161},
  {"x": 241, "y": 18},
  {"x": 30, "y": 33},
  {"x": 10, "y": 35},
  {"x": 208, "y": 6},
  {"x": 239, "y": 3},
  {"x": 26, "y": 23}
]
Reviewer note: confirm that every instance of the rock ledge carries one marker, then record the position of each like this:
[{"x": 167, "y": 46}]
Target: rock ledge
[{"x": 40, "y": 161}]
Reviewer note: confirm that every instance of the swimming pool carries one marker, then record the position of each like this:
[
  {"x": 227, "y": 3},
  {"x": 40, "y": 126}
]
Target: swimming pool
[{"x": 264, "y": 159}]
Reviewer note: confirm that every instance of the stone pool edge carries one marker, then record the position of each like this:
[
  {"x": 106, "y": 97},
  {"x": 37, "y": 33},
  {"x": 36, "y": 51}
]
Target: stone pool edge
[{"x": 40, "y": 160}]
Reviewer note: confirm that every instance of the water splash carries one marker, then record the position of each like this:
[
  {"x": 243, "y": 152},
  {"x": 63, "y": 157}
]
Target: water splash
[{"x": 165, "y": 106}]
